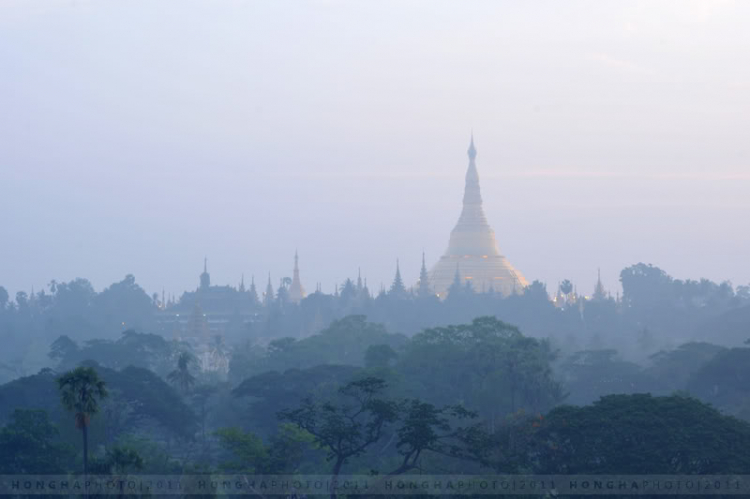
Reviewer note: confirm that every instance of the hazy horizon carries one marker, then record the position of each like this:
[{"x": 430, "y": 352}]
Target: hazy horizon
[{"x": 141, "y": 137}]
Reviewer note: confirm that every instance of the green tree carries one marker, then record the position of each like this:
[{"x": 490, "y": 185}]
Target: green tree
[
  {"x": 501, "y": 370},
  {"x": 590, "y": 374},
  {"x": 671, "y": 370},
  {"x": 379, "y": 356},
  {"x": 28, "y": 445},
  {"x": 273, "y": 392},
  {"x": 724, "y": 381},
  {"x": 246, "y": 452},
  {"x": 62, "y": 348},
  {"x": 80, "y": 392},
  {"x": 348, "y": 426},
  {"x": 426, "y": 428},
  {"x": 642, "y": 434},
  {"x": 118, "y": 460}
]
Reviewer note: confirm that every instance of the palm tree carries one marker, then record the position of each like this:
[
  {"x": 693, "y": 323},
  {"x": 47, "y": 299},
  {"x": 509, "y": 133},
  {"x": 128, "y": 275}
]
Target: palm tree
[
  {"x": 80, "y": 392},
  {"x": 566, "y": 287},
  {"x": 181, "y": 376}
]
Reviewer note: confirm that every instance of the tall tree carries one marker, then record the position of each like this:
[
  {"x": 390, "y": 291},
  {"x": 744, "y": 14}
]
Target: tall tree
[{"x": 80, "y": 392}]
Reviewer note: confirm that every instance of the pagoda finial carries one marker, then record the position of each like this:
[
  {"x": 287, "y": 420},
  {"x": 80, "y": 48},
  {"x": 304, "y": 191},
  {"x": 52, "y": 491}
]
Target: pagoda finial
[
  {"x": 472, "y": 150},
  {"x": 205, "y": 264},
  {"x": 472, "y": 193}
]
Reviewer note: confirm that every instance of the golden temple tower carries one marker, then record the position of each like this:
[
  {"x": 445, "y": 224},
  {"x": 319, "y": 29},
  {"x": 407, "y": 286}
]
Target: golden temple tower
[
  {"x": 296, "y": 291},
  {"x": 472, "y": 248}
]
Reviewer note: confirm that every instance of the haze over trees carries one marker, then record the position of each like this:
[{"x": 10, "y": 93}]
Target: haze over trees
[{"x": 476, "y": 396}]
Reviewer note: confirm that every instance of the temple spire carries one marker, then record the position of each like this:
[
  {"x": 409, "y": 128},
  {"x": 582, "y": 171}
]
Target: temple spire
[
  {"x": 599, "y": 291},
  {"x": 397, "y": 288},
  {"x": 268, "y": 298},
  {"x": 296, "y": 291},
  {"x": 205, "y": 281},
  {"x": 472, "y": 192},
  {"x": 424, "y": 280}
]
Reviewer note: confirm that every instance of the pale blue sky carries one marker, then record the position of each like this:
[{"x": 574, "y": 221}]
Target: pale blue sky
[{"x": 139, "y": 136}]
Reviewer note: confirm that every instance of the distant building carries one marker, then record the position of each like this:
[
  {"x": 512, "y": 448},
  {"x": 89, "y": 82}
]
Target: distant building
[
  {"x": 209, "y": 310},
  {"x": 472, "y": 250},
  {"x": 600, "y": 293}
]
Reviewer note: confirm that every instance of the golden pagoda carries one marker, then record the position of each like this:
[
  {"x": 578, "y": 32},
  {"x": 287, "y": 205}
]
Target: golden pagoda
[{"x": 472, "y": 250}]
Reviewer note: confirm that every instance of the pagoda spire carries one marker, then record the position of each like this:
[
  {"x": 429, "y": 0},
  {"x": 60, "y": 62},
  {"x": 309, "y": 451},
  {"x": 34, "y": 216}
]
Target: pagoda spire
[
  {"x": 424, "y": 280},
  {"x": 268, "y": 297},
  {"x": 242, "y": 284},
  {"x": 205, "y": 277},
  {"x": 296, "y": 291},
  {"x": 473, "y": 211},
  {"x": 599, "y": 291},
  {"x": 397, "y": 288}
]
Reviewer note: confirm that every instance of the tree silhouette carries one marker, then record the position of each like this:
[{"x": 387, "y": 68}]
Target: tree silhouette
[
  {"x": 346, "y": 428},
  {"x": 80, "y": 392},
  {"x": 566, "y": 287},
  {"x": 181, "y": 376}
]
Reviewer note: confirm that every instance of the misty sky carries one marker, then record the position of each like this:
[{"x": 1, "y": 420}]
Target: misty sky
[{"x": 139, "y": 137}]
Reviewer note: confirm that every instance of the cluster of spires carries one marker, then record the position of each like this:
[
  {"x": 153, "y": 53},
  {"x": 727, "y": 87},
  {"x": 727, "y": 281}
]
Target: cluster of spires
[
  {"x": 566, "y": 298},
  {"x": 295, "y": 291},
  {"x": 472, "y": 262}
]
